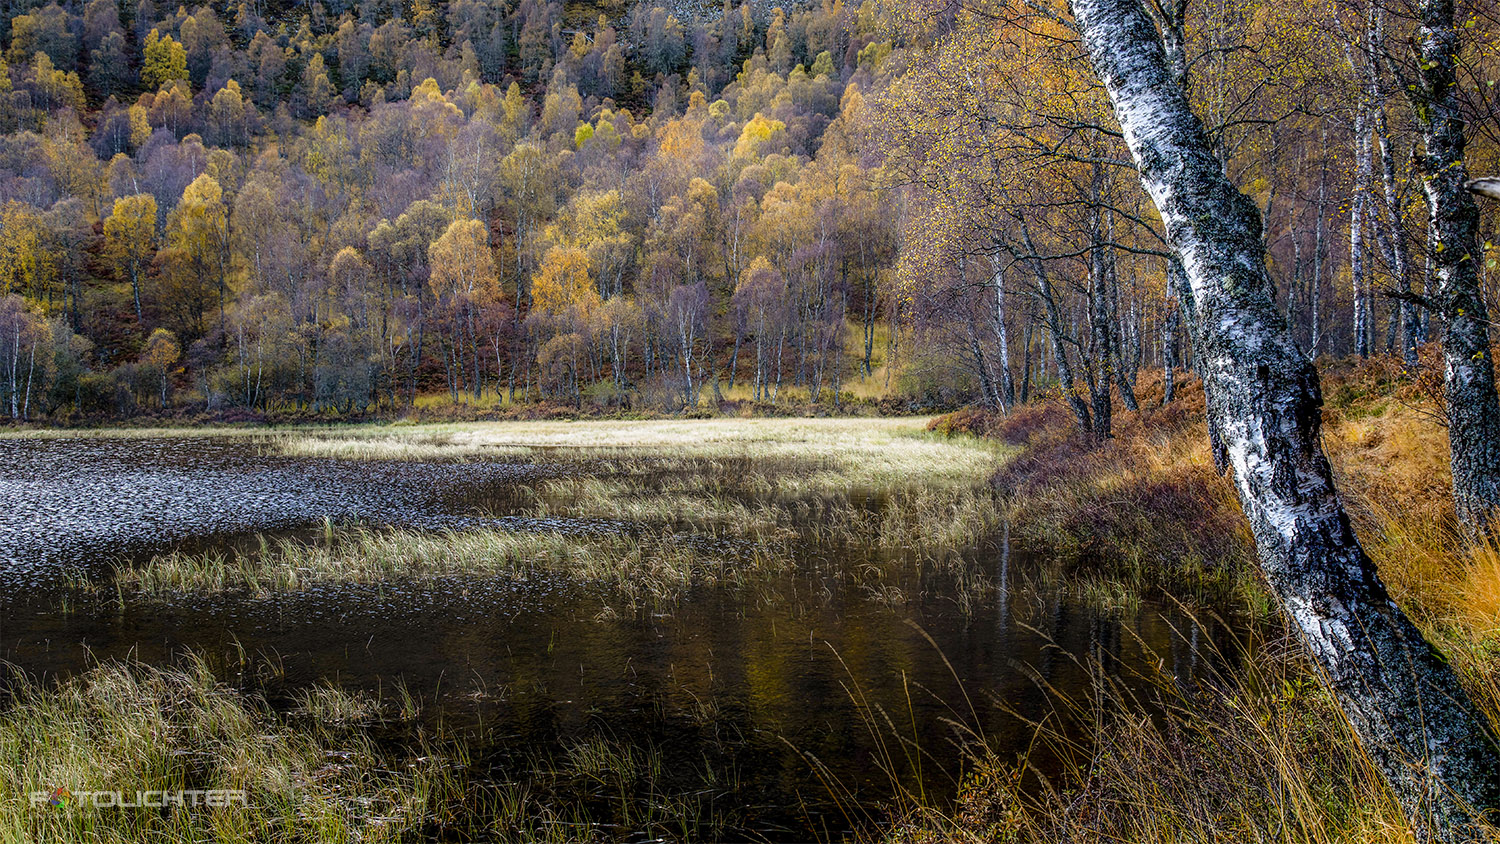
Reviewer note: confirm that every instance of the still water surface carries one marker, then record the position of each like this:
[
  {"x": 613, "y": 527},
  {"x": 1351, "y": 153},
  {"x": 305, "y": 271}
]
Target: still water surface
[{"x": 736, "y": 690}]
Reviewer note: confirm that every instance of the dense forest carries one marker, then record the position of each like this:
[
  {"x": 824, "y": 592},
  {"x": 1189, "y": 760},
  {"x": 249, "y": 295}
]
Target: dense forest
[{"x": 334, "y": 208}]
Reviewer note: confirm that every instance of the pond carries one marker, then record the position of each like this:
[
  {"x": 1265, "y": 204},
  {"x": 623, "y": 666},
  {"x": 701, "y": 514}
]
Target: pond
[{"x": 787, "y": 707}]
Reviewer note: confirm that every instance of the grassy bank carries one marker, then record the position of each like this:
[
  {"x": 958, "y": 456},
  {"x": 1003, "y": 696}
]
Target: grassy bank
[
  {"x": 1259, "y": 756},
  {"x": 308, "y": 774},
  {"x": 319, "y": 765}
]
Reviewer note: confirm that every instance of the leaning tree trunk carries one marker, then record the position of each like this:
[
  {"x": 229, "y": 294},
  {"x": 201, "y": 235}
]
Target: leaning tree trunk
[
  {"x": 1469, "y": 373},
  {"x": 1434, "y": 748}
]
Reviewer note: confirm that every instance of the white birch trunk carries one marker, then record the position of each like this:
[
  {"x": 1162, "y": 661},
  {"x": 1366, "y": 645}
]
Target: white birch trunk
[
  {"x": 1404, "y": 702},
  {"x": 1469, "y": 374},
  {"x": 1363, "y": 169}
]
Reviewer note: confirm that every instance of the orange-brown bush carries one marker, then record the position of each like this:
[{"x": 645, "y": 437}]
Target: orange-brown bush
[
  {"x": 973, "y": 421},
  {"x": 1146, "y": 506}
]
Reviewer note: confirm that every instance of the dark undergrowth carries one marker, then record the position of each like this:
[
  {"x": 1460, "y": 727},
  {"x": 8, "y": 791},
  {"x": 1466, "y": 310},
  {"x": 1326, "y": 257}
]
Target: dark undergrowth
[{"x": 430, "y": 412}]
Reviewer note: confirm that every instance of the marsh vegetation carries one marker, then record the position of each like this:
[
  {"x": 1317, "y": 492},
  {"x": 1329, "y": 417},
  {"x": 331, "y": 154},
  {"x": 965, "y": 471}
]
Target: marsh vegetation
[
  {"x": 604, "y": 629},
  {"x": 650, "y": 509}
]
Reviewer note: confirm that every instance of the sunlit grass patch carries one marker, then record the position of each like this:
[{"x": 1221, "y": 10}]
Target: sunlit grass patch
[
  {"x": 765, "y": 479},
  {"x": 1480, "y": 594},
  {"x": 624, "y": 500},
  {"x": 390, "y": 447},
  {"x": 842, "y": 453}
]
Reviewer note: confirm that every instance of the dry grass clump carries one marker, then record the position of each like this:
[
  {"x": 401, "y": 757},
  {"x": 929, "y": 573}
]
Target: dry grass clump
[
  {"x": 751, "y": 505},
  {"x": 640, "y": 500},
  {"x": 1147, "y": 505},
  {"x": 1257, "y": 754},
  {"x": 313, "y": 772},
  {"x": 772, "y": 480},
  {"x": 1479, "y": 592},
  {"x": 1389, "y": 449},
  {"x": 658, "y": 566},
  {"x": 132, "y": 727}
]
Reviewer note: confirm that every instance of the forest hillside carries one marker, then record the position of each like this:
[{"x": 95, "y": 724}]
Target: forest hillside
[{"x": 264, "y": 210}]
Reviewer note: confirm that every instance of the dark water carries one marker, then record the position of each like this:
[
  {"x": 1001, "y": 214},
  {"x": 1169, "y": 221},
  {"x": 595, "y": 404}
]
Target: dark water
[{"x": 741, "y": 692}]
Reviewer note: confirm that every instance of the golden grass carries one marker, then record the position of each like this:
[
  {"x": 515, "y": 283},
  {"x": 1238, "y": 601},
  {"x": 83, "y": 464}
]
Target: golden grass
[
  {"x": 390, "y": 447},
  {"x": 760, "y": 479},
  {"x": 1390, "y": 456},
  {"x": 639, "y": 567},
  {"x": 1146, "y": 508},
  {"x": 1259, "y": 754},
  {"x": 1479, "y": 592},
  {"x": 862, "y": 453}
]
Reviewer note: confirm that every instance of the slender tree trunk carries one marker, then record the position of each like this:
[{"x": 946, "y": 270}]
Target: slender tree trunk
[
  {"x": 1469, "y": 373},
  {"x": 1435, "y": 749},
  {"x": 1319, "y": 226},
  {"x": 734, "y": 360},
  {"x": 1404, "y": 320},
  {"x": 31, "y": 374},
  {"x": 1169, "y": 351},
  {"x": 1101, "y": 340},
  {"x": 1025, "y": 395},
  {"x": 15, "y": 364},
  {"x": 1002, "y": 339},
  {"x": 869, "y": 321},
  {"x": 1357, "y": 273},
  {"x": 982, "y": 369},
  {"x": 1101, "y": 347},
  {"x": 1055, "y": 330},
  {"x": 1127, "y": 345},
  {"x": 135, "y": 291}
]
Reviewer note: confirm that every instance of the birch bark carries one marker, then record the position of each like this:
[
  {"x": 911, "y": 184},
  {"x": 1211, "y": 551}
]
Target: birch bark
[
  {"x": 1434, "y": 748},
  {"x": 1469, "y": 374}
]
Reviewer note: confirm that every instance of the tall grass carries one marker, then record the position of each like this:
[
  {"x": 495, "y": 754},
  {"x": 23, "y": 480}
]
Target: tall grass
[
  {"x": 652, "y": 566},
  {"x": 1253, "y": 752},
  {"x": 388, "y": 447},
  {"x": 1260, "y": 752},
  {"x": 857, "y": 453},
  {"x": 1145, "y": 508},
  {"x": 313, "y": 772},
  {"x": 312, "y": 776}
]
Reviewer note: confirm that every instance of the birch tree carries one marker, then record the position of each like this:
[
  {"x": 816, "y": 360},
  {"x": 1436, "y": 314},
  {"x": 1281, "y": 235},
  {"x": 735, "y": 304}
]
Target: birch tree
[
  {"x": 1435, "y": 749},
  {"x": 1473, "y": 409}
]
